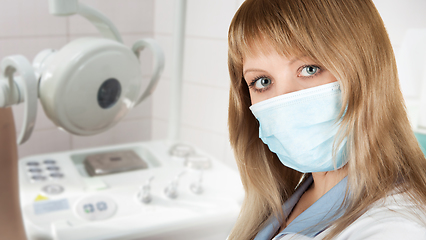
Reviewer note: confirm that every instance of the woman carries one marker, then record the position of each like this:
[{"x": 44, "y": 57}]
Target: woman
[{"x": 318, "y": 125}]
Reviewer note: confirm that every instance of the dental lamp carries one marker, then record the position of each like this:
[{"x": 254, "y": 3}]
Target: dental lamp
[{"x": 88, "y": 85}]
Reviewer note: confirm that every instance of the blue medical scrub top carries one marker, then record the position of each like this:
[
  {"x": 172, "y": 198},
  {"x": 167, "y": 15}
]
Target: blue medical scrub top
[{"x": 313, "y": 220}]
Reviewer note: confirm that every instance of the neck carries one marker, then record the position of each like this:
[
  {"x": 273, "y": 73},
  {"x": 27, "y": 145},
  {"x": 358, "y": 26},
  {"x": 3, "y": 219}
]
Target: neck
[{"x": 324, "y": 181}]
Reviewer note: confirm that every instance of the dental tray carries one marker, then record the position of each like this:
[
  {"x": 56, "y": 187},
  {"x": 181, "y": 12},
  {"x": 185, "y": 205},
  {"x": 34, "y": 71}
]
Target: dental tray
[{"x": 113, "y": 162}]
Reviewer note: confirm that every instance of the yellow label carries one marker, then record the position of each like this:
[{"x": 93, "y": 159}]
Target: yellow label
[{"x": 40, "y": 198}]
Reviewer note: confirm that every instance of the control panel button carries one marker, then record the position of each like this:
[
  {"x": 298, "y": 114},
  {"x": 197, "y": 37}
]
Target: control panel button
[
  {"x": 95, "y": 208},
  {"x": 53, "y": 189},
  {"x": 38, "y": 178},
  {"x": 101, "y": 206},
  {"x": 53, "y": 168},
  {"x": 34, "y": 170},
  {"x": 56, "y": 175},
  {"x": 49, "y": 162},
  {"x": 32, "y": 164},
  {"x": 88, "y": 208}
]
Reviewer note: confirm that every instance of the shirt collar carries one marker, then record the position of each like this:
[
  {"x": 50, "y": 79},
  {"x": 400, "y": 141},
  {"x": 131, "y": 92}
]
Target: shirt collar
[{"x": 313, "y": 220}]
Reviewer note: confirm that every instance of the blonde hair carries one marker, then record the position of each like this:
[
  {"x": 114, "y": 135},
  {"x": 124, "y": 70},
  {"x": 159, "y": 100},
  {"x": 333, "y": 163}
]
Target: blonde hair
[{"x": 349, "y": 39}]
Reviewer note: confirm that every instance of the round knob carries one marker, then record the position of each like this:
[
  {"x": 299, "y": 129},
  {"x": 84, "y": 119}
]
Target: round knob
[
  {"x": 171, "y": 189},
  {"x": 144, "y": 194},
  {"x": 196, "y": 187}
]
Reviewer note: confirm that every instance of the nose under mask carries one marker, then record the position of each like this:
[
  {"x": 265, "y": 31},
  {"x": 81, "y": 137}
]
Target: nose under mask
[{"x": 301, "y": 128}]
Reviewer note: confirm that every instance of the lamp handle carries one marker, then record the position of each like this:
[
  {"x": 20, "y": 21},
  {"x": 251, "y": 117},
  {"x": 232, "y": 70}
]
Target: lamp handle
[
  {"x": 158, "y": 63},
  {"x": 19, "y": 89}
]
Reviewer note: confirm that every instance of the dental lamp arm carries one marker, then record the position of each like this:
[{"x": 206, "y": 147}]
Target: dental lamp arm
[
  {"x": 101, "y": 22},
  {"x": 11, "y": 225}
]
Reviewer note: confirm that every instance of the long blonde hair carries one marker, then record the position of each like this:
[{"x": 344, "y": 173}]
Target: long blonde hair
[{"x": 349, "y": 39}]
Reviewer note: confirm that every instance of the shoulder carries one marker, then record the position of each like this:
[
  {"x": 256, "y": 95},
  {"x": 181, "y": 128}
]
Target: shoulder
[{"x": 394, "y": 217}]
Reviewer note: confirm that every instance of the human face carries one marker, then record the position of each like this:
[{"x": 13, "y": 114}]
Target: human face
[{"x": 271, "y": 74}]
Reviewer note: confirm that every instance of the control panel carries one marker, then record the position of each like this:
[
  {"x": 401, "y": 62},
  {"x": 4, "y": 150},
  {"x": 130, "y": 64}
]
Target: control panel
[{"x": 147, "y": 190}]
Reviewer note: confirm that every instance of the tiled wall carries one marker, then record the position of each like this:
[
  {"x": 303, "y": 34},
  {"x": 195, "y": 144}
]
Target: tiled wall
[
  {"x": 205, "y": 74},
  {"x": 26, "y": 28}
]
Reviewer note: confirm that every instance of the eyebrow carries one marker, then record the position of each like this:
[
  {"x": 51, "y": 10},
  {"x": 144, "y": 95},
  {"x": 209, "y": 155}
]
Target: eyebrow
[
  {"x": 253, "y": 70},
  {"x": 261, "y": 70}
]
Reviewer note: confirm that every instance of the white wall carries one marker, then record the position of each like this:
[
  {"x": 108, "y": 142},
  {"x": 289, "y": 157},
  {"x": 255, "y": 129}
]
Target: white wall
[
  {"x": 26, "y": 28},
  {"x": 399, "y": 16},
  {"x": 205, "y": 75}
]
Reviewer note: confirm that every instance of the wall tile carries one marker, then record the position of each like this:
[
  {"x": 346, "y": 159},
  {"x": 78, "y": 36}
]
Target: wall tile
[
  {"x": 29, "y": 18},
  {"x": 124, "y": 132},
  {"x": 206, "y": 62},
  {"x": 399, "y": 16},
  {"x": 129, "y": 16},
  {"x": 160, "y": 128},
  {"x": 45, "y": 141},
  {"x": 161, "y": 100},
  {"x": 209, "y": 18},
  {"x": 204, "y": 18},
  {"x": 164, "y": 15},
  {"x": 29, "y": 47},
  {"x": 205, "y": 108}
]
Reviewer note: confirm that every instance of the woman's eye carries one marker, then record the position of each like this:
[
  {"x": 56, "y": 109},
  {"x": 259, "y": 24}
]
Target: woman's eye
[
  {"x": 309, "y": 71},
  {"x": 262, "y": 82}
]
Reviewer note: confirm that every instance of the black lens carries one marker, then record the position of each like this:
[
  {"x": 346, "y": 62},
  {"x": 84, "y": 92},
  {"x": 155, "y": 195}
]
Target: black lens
[{"x": 109, "y": 93}]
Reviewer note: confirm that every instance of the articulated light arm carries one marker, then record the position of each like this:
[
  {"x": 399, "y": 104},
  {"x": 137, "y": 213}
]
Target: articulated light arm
[{"x": 101, "y": 22}]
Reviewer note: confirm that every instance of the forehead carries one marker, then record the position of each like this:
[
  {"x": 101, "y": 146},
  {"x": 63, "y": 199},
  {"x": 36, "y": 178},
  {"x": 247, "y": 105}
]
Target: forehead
[{"x": 263, "y": 49}]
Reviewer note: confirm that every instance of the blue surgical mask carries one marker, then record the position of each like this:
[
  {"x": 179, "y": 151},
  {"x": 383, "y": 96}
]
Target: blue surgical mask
[{"x": 300, "y": 127}]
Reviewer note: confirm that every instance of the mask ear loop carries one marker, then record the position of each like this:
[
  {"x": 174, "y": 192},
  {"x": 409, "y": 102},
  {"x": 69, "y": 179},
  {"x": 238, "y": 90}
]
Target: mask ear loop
[
  {"x": 342, "y": 133},
  {"x": 339, "y": 140}
]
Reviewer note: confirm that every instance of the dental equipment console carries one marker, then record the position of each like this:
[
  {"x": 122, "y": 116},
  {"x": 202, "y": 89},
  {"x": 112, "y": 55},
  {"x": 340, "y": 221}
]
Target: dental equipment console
[
  {"x": 148, "y": 190},
  {"x": 181, "y": 194}
]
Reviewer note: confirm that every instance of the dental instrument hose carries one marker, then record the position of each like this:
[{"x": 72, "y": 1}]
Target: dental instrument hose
[{"x": 11, "y": 224}]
